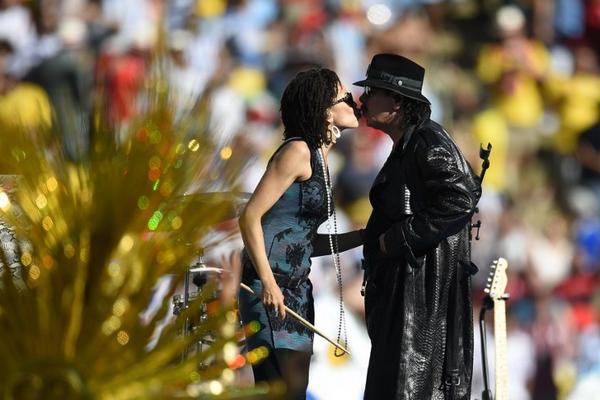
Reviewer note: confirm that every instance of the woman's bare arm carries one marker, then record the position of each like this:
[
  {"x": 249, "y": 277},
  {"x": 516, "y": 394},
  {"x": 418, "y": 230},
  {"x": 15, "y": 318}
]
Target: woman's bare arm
[{"x": 291, "y": 163}]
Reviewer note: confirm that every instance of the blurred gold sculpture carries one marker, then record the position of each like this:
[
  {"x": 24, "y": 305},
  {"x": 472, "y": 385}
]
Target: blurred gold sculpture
[{"x": 93, "y": 236}]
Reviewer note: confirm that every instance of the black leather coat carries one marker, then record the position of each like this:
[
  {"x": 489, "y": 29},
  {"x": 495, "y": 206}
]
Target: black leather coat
[{"x": 423, "y": 200}]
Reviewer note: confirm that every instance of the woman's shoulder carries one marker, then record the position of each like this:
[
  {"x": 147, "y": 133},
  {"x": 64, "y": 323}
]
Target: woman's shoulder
[
  {"x": 296, "y": 150},
  {"x": 293, "y": 158},
  {"x": 299, "y": 146}
]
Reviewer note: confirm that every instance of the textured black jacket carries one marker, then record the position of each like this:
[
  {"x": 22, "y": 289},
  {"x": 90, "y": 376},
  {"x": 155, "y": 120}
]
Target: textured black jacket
[{"x": 423, "y": 200}]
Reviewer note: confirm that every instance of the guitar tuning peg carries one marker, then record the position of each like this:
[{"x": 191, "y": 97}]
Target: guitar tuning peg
[
  {"x": 489, "y": 279},
  {"x": 486, "y": 290}
]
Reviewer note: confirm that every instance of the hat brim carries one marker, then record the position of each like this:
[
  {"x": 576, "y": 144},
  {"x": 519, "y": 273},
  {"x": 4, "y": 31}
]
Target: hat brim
[{"x": 392, "y": 88}]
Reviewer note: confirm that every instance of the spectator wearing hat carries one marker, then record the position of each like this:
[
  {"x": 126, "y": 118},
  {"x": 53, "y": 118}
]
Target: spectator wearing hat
[{"x": 416, "y": 251}]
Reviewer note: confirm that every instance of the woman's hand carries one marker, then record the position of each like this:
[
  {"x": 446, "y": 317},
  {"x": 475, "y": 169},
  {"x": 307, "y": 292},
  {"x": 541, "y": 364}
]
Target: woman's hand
[{"x": 272, "y": 297}]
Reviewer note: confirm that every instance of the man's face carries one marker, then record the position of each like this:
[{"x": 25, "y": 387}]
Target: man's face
[{"x": 379, "y": 107}]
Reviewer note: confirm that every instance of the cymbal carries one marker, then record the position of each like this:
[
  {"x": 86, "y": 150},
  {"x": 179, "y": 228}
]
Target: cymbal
[
  {"x": 217, "y": 197},
  {"x": 206, "y": 270},
  {"x": 217, "y": 207},
  {"x": 229, "y": 204}
]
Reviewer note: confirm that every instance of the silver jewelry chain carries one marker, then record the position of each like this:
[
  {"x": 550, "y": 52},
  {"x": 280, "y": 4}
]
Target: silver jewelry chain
[{"x": 335, "y": 254}]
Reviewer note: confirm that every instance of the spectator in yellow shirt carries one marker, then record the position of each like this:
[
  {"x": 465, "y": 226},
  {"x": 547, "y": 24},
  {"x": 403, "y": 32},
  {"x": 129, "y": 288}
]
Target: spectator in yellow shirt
[
  {"x": 576, "y": 98},
  {"x": 513, "y": 68},
  {"x": 22, "y": 105}
]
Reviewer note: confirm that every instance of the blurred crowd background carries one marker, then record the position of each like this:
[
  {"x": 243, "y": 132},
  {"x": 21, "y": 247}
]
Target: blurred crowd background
[{"x": 521, "y": 75}]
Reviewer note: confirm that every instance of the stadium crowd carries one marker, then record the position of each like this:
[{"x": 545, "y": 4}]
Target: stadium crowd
[{"x": 521, "y": 75}]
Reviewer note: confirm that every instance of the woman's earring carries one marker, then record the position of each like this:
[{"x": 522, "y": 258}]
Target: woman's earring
[{"x": 336, "y": 131}]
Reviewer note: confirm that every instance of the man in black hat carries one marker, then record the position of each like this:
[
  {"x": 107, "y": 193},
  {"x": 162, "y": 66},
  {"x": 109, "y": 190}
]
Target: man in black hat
[{"x": 417, "y": 247}]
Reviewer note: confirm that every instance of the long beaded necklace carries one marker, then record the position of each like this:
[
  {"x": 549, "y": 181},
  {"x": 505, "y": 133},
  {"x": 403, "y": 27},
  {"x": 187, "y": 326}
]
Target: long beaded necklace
[{"x": 335, "y": 254}]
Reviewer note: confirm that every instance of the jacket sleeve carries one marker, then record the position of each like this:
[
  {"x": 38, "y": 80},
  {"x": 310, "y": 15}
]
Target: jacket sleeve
[{"x": 452, "y": 192}]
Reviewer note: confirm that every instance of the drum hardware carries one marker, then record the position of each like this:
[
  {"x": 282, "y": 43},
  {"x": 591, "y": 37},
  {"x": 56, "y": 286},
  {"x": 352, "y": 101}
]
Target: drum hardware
[
  {"x": 227, "y": 206},
  {"x": 232, "y": 202},
  {"x": 198, "y": 274}
]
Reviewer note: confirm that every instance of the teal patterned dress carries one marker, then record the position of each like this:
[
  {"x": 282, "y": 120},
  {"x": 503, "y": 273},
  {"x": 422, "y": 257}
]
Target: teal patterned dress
[{"x": 289, "y": 228}]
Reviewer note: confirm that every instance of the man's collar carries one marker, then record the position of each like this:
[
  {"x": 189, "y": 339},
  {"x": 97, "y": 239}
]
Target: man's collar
[{"x": 405, "y": 139}]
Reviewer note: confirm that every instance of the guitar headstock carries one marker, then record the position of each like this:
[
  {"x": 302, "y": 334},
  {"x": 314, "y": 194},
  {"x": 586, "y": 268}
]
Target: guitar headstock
[{"x": 497, "y": 281}]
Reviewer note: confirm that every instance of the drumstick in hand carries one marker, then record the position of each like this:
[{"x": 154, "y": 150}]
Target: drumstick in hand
[{"x": 302, "y": 321}]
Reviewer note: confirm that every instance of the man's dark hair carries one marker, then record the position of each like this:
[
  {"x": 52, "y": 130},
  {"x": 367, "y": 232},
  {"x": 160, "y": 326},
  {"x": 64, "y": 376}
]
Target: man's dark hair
[
  {"x": 414, "y": 112},
  {"x": 304, "y": 105}
]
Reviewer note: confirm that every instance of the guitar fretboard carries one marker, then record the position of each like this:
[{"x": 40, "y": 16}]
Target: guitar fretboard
[{"x": 500, "y": 356}]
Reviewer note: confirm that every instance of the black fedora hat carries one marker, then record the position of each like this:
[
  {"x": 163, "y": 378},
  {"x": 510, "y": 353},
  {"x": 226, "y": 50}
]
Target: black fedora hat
[{"x": 397, "y": 74}]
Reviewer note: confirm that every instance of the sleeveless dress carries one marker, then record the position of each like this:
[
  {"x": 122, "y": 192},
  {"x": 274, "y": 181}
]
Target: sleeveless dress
[{"x": 289, "y": 228}]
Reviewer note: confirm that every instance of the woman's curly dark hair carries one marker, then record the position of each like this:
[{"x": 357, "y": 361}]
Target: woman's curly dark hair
[
  {"x": 413, "y": 111},
  {"x": 304, "y": 105}
]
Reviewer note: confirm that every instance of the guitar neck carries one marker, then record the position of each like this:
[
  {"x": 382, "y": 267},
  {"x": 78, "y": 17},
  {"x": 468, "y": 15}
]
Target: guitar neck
[{"x": 500, "y": 356}]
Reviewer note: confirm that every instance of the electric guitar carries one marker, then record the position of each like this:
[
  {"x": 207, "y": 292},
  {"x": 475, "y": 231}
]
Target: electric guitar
[{"x": 495, "y": 289}]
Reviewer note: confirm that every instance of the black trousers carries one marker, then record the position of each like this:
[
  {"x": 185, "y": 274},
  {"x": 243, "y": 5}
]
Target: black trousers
[{"x": 285, "y": 365}]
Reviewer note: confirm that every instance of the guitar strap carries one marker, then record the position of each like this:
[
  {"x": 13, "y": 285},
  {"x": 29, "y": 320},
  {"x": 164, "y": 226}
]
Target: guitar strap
[
  {"x": 452, "y": 376},
  {"x": 463, "y": 272}
]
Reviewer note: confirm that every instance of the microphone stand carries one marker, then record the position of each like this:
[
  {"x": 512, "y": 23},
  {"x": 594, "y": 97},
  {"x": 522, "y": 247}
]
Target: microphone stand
[{"x": 488, "y": 304}]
